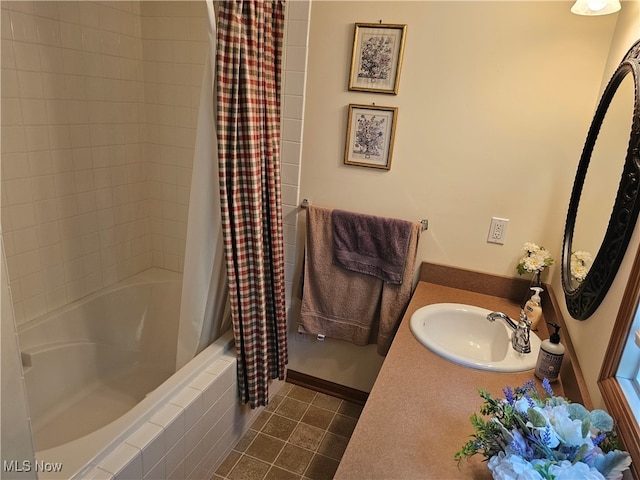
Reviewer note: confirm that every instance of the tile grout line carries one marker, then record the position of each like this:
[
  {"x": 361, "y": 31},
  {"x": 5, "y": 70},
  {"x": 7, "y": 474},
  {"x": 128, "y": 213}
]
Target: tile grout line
[
  {"x": 286, "y": 442},
  {"x": 325, "y": 431}
]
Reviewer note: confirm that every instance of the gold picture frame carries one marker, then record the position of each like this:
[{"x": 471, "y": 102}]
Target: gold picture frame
[
  {"x": 371, "y": 133},
  {"x": 376, "y": 59}
]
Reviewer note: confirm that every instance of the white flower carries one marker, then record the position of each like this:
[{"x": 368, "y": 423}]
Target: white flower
[
  {"x": 536, "y": 259},
  {"x": 565, "y": 470},
  {"x": 568, "y": 430},
  {"x": 580, "y": 264},
  {"x": 512, "y": 467},
  {"x": 522, "y": 405},
  {"x": 530, "y": 247},
  {"x": 583, "y": 256}
]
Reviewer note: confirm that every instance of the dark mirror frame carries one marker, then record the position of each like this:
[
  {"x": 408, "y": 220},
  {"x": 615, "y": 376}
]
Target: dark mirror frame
[{"x": 584, "y": 299}]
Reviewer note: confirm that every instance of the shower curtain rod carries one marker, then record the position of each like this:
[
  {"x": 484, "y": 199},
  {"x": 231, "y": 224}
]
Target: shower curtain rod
[{"x": 424, "y": 222}]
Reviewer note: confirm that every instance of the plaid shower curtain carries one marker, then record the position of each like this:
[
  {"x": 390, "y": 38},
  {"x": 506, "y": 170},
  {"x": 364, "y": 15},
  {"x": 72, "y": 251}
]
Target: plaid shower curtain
[{"x": 248, "y": 81}]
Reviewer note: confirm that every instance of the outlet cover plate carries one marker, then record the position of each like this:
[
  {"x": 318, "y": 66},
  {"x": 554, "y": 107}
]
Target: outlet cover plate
[{"x": 498, "y": 230}]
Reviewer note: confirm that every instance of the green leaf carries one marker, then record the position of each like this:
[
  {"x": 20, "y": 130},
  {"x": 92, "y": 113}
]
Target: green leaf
[
  {"x": 580, "y": 454},
  {"x": 602, "y": 420},
  {"x": 556, "y": 401},
  {"x": 536, "y": 418},
  {"x": 586, "y": 427},
  {"x": 577, "y": 411},
  {"x": 543, "y": 470}
]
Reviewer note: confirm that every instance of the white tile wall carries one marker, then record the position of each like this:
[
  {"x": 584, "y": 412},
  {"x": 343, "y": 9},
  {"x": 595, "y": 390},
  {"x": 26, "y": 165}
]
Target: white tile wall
[
  {"x": 189, "y": 436},
  {"x": 174, "y": 45},
  {"x": 56, "y": 144},
  {"x": 99, "y": 101},
  {"x": 99, "y": 108},
  {"x": 295, "y": 58}
]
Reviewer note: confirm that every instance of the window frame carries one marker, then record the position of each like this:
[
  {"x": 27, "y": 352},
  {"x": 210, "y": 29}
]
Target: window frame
[
  {"x": 611, "y": 386},
  {"x": 636, "y": 380}
]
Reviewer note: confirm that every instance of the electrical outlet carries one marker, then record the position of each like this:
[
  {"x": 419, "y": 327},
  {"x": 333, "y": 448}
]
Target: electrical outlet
[{"x": 497, "y": 230}]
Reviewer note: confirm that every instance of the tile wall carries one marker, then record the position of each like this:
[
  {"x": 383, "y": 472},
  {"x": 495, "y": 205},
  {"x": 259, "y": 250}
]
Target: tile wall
[
  {"x": 189, "y": 436},
  {"x": 99, "y": 108},
  {"x": 92, "y": 192},
  {"x": 295, "y": 62},
  {"x": 174, "y": 48}
]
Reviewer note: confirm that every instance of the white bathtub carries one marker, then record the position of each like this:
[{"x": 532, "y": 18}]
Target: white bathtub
[
  {"x": 92, "y": 361},
  {"x": 101, "y": 370}
]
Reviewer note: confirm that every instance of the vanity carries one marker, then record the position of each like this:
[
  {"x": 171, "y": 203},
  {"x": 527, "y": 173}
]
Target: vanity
[{"x": 417, "y": 414}]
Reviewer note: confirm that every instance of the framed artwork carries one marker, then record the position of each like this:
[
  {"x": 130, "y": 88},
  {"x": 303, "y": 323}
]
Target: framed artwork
[
  {"x": 370, "y": 135},
  {"x": 377, "y": 57}
]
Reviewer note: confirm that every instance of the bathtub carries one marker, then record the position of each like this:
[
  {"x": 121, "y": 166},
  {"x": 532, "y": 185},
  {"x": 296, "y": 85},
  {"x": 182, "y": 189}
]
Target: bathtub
[{"x": 103, "y": 391}]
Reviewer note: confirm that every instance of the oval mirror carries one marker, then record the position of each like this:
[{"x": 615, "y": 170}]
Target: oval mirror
[
  {"x": 598, "y": 194},
  {"x": 604, "y": 202}
]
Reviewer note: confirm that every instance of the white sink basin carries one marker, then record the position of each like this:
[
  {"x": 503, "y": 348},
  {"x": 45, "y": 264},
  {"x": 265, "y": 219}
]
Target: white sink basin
[{"x": 462, "y": 334}]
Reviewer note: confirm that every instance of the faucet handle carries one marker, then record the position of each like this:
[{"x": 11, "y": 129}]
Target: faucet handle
[{"x": 520, "y": 339}]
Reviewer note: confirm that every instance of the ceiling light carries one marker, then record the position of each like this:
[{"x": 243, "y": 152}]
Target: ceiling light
[{"x": 595, "y": 7}]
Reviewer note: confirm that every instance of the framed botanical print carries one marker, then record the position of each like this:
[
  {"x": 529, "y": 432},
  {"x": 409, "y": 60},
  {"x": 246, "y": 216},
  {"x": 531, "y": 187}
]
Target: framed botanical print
[
  {"x": 370, "y": 135},
  {"x": 376, "y": 60}
]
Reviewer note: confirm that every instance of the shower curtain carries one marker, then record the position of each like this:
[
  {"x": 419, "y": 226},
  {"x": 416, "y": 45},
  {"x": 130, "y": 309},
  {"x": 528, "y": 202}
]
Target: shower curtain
[
  {"x": 248, "y": 90},
  {"x": 204, "y": 312}
]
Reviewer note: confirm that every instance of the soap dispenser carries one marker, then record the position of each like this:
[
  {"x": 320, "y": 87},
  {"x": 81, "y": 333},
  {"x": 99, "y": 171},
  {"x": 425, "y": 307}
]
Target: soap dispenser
[
  {"x": 550, "y": 356},
  {"x": 533, "y": 308}
]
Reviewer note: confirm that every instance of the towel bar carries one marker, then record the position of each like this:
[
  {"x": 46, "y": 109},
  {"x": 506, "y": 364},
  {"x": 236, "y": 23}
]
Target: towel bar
[{"x": 424, "y": 222}]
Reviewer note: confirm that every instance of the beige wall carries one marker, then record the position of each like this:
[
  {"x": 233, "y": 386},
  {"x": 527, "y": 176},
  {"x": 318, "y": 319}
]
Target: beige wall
[{"x": 494, "y": 104}]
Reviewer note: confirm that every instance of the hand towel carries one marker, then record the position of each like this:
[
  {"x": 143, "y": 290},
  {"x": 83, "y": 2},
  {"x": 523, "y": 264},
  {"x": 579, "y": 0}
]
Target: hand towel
[
  {"x": 347, "y": 305},
  {"x": 371, "y": 245}
]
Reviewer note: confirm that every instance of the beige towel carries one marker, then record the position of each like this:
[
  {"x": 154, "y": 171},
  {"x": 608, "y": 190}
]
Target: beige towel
[{"x": 338, "y": 303}]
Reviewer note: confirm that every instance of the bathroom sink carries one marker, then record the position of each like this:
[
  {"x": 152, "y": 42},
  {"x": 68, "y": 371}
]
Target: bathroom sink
[{"x": 462, "y": 334}]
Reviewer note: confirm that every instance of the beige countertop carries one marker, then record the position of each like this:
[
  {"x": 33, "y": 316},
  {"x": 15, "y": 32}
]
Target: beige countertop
[{"x": 417, "y": 415}]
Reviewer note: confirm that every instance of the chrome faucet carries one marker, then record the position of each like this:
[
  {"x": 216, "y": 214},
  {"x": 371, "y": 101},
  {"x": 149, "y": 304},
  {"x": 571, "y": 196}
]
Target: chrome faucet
[{"x": 520, "y": 339}]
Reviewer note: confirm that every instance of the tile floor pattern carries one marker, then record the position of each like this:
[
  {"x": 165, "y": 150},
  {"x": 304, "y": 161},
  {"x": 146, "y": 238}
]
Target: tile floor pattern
[{"x": 301, "y": 435}]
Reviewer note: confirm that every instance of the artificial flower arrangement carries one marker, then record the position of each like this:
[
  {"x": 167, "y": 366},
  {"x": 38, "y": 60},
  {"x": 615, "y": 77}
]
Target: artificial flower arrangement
[
  {"x": 580, "y": 264},
  {"x": 535, "y": 260},
  {"x": 532, "y": 438}
]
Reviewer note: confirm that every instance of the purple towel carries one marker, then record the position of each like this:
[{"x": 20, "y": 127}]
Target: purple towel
[{"x": 371, "y": 245}]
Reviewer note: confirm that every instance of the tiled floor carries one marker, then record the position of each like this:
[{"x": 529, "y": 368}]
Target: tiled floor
[{"x": 301, "y": 435}]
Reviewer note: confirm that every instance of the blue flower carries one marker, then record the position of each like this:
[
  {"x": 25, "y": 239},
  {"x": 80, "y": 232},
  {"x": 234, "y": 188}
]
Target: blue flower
[
  {"x": 597, "y": 440},
  {"x": 530, "y": 401},
  {"x": 508, "y": 395},
  {"x": 547, "y": 387},
  {"x": 544, "y": 438},
  {"x": 546, "y": 435}
]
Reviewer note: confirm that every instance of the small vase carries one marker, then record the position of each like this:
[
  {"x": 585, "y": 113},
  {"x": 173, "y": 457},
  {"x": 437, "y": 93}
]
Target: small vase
[{"x": 535, "y": 282}]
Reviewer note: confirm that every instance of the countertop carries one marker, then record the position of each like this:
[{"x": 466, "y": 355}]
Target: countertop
[{"x": 417, "y": 415}]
